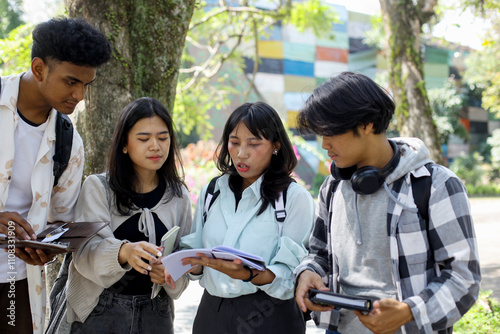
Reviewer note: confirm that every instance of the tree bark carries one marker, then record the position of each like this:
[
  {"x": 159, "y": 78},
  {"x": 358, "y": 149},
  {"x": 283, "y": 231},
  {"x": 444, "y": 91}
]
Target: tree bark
[
  {"x": 403, "y": 20},
  {"x": 147, "y": 37}
]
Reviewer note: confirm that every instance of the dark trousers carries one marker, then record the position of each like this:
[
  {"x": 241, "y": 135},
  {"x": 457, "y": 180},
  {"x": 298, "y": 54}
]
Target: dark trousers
[
  {"x": 15, "y": 311},
  {"x": 255, "y": 313},
  {"x": 119, "y": 314}
]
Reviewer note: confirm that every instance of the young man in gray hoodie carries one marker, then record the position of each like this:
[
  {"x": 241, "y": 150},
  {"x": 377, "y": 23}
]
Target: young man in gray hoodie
[{"x": 369, "y": 238}]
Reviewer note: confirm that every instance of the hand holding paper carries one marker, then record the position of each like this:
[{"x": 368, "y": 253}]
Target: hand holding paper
[
  {"x": 173, "y": 262},
  {"x": 167, "y": 242}
]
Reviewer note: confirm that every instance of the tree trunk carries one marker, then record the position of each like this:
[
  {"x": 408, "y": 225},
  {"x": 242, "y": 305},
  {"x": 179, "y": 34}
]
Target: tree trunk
[
  {"x": 403, "y": 22},
  {"x": 148, "y": 38}
]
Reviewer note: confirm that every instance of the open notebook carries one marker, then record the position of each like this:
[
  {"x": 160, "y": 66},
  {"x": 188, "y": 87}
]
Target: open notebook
[
  {"x": 69, "y": 238},
  {"x": 173, "y": 262}
]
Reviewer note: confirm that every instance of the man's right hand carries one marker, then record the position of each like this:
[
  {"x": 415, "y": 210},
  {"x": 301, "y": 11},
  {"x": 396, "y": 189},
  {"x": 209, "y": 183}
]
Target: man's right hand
[
  {"x": 12, "y": 221},
  {"x": 309, "y": 280}
]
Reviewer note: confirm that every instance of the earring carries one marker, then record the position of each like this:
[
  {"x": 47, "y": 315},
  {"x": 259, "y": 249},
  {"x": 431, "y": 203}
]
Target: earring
[
  {"x": 275, "y": 152},
  {"x": 124, "y": 150}
]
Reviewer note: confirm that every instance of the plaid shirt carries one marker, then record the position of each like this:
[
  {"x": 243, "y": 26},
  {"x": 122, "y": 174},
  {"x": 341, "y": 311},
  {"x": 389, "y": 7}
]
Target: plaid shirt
[{"x": 435, "y": 265}]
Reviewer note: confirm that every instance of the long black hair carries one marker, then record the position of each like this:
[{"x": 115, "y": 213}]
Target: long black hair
[
  {"x": 121, "y": 173},
  {"x": 263, "y": 122}
]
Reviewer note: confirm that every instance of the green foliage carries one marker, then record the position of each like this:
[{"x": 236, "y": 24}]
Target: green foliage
[
  {"x": 376, "y": 35},
  {"x": 316, "y": 184},
  {"x": 482, "y": 5},
  {"x": 481, "y": 178},
  {"x": 468, "y": 168},
  {"x": 10, "y": 16},
  {"x": 483, "y": 66},
  {"x": 446, "y": 103},
  {"x": 483, "y": 190},
  {"x": 314, "y": 15},
  {"x": 482, "y": 318},
  {"x": 494, "y": 142},
  {"x": 211, "y": 77},
  {"x": 299, "y": 142},
  {"x": 15, "y": 50}
]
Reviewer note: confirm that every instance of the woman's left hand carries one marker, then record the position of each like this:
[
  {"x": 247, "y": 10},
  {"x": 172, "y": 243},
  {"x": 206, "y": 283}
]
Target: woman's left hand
[
  {"x": 233, "y": 269},
  {"x": 157, "y": 273}
]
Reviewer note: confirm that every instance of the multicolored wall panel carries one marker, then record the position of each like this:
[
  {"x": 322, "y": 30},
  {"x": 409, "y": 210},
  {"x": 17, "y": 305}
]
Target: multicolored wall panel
[{"x": 293, "y": 63}]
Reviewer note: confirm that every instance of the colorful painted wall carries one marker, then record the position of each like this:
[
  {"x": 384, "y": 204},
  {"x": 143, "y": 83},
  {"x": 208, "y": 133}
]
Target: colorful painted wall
[{"x": 293, "y": 63}]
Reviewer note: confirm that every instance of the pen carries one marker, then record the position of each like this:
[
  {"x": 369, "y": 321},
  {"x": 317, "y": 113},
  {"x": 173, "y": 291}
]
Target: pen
[{"x": 57, "y": 230}]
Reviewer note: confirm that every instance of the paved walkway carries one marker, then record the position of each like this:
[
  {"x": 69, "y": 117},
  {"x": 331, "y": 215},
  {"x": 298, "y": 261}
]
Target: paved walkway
[{"x": 486, "y": 215}]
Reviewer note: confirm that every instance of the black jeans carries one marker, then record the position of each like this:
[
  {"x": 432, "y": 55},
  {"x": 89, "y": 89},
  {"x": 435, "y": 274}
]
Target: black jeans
[
  {"x": 254, "y": 313},
  {"x": 116, "y": 313},
  {"x": 15, "y": 310}
]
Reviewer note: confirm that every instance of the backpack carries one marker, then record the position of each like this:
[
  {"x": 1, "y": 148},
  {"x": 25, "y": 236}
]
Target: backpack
[
  {"x": 421, "y": 189},
  {"x": 64, "y": 142},
  {"x": 279, "y": 204}
]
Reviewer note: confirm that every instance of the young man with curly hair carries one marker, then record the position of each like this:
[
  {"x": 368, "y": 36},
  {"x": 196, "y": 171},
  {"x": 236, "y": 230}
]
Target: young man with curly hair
[
  {"x": 373, "y": 236},
  {"x": 65, "y": 56}
]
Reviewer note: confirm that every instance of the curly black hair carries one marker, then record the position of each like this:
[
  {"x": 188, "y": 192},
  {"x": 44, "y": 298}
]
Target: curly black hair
[{"x": 71, "y": 40}]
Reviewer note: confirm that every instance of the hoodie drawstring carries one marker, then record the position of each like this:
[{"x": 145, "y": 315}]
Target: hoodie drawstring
[{"x": 391, "y": 195}]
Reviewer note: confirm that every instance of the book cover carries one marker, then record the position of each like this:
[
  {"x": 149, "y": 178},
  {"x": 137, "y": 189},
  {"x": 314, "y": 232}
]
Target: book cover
[
  {"x": 167, "y": 242},
  {"x": 74, "y": 235},
  {"x": 336, "y": 299},
  {"x": 173, "y": 262}
]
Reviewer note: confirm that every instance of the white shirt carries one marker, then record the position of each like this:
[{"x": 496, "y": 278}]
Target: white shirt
[
  {"x": 27, "y": 140},
  {"x": 48, "y": 203}
]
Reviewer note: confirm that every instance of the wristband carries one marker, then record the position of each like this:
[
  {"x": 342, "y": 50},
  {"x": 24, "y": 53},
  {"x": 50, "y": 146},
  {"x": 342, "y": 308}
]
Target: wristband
[{"x": 252, "y": 275}]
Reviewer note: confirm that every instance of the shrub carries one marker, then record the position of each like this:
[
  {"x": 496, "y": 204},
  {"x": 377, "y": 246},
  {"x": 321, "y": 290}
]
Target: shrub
[
  {"x": 482, "y": 318},
  {"x": 483, "y": 190},
  {"x": 199, "y": 166},
  {"x": 468, "y": 168}
]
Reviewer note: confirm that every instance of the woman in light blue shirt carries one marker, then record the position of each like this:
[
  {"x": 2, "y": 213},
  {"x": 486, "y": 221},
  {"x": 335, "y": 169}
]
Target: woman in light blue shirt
[{"x": 256, "y": 160}]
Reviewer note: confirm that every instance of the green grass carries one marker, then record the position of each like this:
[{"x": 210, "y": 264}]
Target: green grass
[{"x": 482, "y": 318}]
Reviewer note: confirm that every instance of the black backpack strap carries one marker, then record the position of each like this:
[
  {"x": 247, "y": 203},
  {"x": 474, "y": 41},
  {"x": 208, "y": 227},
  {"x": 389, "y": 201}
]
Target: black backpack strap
[
  {"x": 421, "y": 187},
  {"x": 280, "y": 205},
  {"x": 210, "y": 197},
  {"x": 331, "y": 190},
  {"x": 64, "y": 142},
  {"x": 280, "y": 211},
  {"x": 329, "y": 197}
]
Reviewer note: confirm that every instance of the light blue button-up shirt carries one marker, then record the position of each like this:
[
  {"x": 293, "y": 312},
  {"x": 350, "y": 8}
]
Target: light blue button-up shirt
[{"x": 244, "y": 230}]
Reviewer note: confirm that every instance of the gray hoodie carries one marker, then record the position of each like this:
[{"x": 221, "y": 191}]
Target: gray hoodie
[{"x": 359, "y": 235}]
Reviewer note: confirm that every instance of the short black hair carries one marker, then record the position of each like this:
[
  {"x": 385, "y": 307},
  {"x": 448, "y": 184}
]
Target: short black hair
[
  {"x": 121, "y": 171},
  {"x": 264, "y": 123},
  {"x": 71, "y": 40},
  {"x": 345, "y": 102}
]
